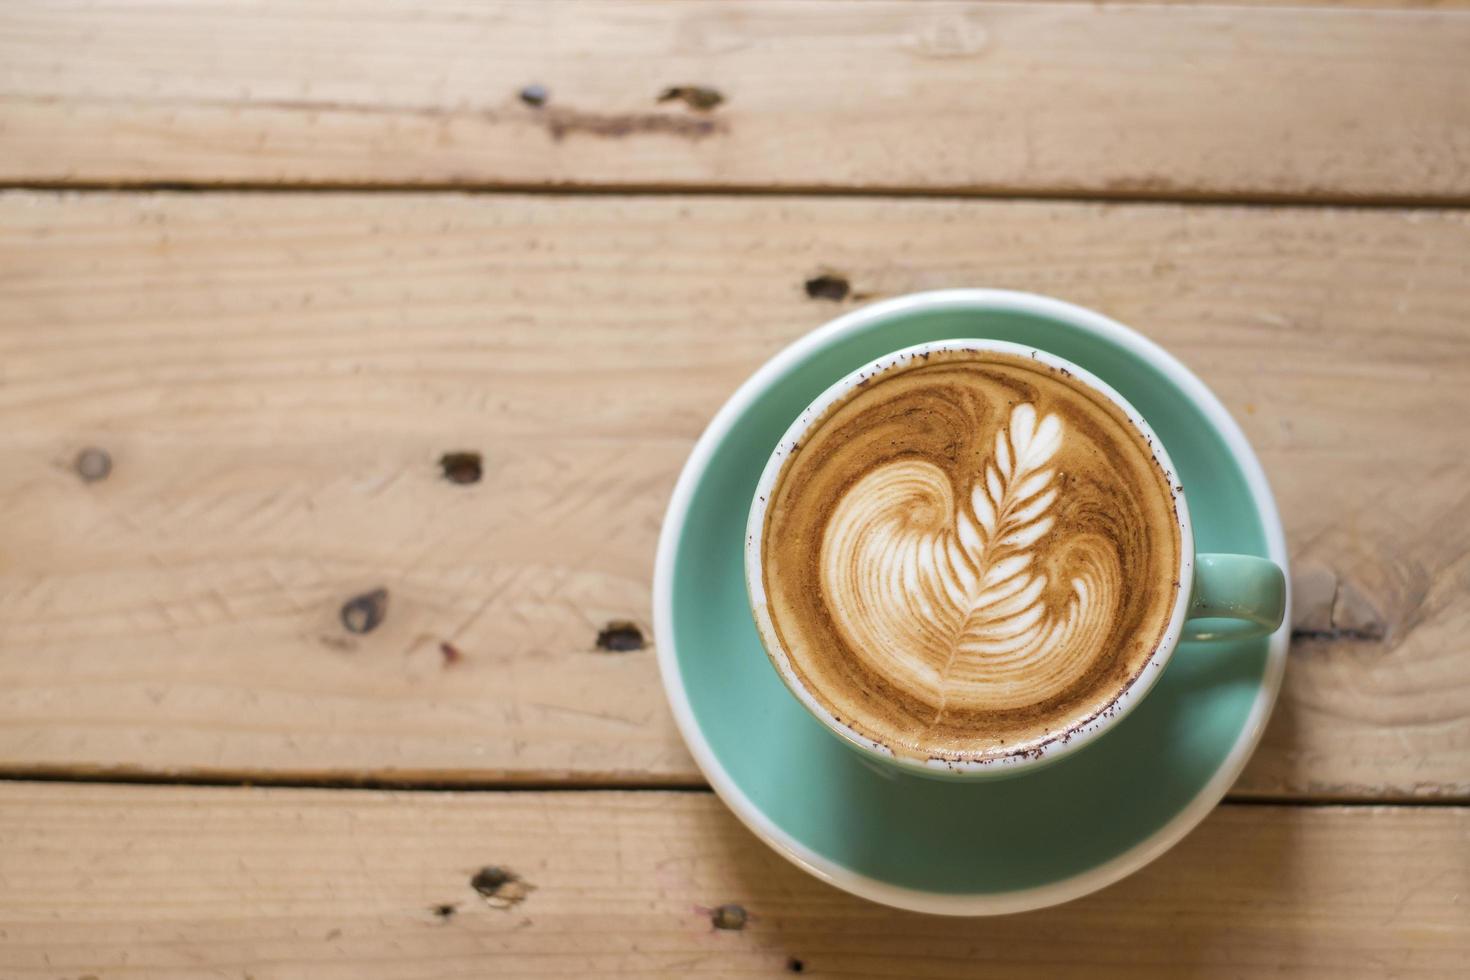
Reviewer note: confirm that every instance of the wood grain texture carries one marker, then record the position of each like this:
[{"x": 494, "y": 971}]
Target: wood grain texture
[
  {"x": 1364, "y": 4},
  {"x": 276, "y": 377},
  {"x": 1055, "y": 99},
  {"x": 160, "y": 882}
]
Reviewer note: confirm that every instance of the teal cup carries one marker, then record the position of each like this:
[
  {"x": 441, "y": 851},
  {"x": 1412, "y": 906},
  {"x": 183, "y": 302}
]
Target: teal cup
[{"x": 1224, "y": 597}]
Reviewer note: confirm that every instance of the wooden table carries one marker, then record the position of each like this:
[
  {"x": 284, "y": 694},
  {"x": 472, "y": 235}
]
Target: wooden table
[{"x": 263, "y": 265}]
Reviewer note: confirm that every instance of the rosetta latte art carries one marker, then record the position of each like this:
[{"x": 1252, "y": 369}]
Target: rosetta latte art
[{"x": 943, "y": 592}]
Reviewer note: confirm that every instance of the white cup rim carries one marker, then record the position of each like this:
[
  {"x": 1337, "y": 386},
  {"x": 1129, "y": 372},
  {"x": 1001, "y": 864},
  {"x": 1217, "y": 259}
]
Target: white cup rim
[{"x": 1056, "y": 746}]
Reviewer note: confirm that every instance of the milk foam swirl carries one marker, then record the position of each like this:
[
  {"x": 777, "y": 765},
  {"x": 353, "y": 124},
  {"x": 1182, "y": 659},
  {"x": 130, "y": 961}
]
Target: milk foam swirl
[
  {"x": 943, "y": 598},
  {"x": 967, "y": 554}
]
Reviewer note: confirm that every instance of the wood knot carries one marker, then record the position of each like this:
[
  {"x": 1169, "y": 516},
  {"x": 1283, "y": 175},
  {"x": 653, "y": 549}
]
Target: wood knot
[
  {"x": 1327, "y": 608},
  {"x": 620, "y": 636},
  {"x": 93, "y": 464},
  {"x": 828, "y": 286},
  {"x": 563, "y": 122},
  {"x": 489, "y": 879},
  {"x": 501, "y": 887},
  {"x": 463, "y": 467},
  {"x": 365, "y": 613},
  {"x": 701, "y": 98},
  {"x": 728, "y": 917}
]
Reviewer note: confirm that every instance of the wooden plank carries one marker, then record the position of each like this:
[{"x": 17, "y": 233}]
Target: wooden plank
[
  {"x": 275, "y": 378},
  {"x": 1047, "y": 99},
  {"x": 162, "y": 882}
]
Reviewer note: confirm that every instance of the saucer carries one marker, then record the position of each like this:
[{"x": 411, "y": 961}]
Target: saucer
[{"x": 960, "y": 848}]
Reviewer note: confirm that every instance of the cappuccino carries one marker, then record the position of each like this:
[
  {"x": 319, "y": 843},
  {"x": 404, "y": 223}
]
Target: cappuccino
[{"x": 968, "y": 554}]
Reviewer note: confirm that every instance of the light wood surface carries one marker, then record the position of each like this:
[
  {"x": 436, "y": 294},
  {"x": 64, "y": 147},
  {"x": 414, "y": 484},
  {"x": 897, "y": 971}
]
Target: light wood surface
[
  {"x": 1094, "y": 99},
  {"x": 345, "y": 462},
  {"x": 275, "y": 378},
  {"x": 161, "y": 883}
]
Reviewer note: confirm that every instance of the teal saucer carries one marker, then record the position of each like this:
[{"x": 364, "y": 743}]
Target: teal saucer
[{"x": 991, "y": 846}]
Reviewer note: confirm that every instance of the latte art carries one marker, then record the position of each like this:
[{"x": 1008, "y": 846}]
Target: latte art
[
  {"x": 968, "y": 554},
  {"x": 943, "y": 598}
]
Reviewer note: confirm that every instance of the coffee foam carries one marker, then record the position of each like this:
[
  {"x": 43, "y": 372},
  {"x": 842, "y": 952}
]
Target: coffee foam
[{"x": 968, "y": 554}]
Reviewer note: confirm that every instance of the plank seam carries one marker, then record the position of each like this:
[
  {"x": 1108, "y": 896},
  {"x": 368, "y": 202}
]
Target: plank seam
[
  {"x": 572, "y": 785},
  {"x": 1375, "y": 202}
]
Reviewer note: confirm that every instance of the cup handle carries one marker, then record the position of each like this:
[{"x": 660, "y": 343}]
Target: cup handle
[{"x": 1236, "y": 597}]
